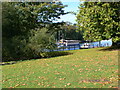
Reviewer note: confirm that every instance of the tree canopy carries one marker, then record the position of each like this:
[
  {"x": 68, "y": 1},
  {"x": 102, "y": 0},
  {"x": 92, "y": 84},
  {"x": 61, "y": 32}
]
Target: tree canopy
[
  {"x": 99, "y": 20},
  {"x": 22, "y": 17},
  {"x": 26, "y": 25},
  {"x": 70, "y": 32}
]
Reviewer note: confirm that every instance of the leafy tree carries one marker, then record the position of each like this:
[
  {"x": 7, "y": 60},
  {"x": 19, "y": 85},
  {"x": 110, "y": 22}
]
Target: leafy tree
[
  {"x": 99, "y": 20},
  {"x": 69, "y": 31},
  {"x": 41, "y": 40},
  {"x": 20, "y": 19}
]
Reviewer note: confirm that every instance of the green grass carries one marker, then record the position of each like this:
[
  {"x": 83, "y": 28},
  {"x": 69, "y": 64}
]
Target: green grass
[{"x": 85, "y": 68}]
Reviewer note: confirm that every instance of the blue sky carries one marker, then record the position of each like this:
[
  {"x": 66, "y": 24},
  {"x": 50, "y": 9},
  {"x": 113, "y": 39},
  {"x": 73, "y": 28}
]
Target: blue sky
[{"x": 72, "y": 6}]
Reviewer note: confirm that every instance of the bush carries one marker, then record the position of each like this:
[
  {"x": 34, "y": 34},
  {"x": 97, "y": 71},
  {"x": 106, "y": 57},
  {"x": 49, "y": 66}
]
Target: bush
[
  {"x": 40, "y": 40},
  {"x": 22, "y": 47},
  {"x": 14, "y": 49}
]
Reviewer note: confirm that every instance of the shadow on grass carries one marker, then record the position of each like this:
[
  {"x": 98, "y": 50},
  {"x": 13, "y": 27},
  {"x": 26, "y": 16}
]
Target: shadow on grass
[
  {"x": 112, "y": 48},
  {"x": 8, "y": 63},
  {"x": 42, "y": 55}
]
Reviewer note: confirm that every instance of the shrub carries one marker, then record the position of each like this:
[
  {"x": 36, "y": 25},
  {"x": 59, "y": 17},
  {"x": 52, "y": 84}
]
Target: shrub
[{"x": 22, "y": 47}]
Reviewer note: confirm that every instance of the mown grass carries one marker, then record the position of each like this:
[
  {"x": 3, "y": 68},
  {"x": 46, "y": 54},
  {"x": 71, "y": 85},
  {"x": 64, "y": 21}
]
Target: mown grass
[{"x": 85, "y": 68}]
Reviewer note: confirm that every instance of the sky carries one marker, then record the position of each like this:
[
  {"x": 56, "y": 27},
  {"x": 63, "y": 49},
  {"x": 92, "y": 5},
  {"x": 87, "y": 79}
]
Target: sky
[{"x": 72, "y": 6}]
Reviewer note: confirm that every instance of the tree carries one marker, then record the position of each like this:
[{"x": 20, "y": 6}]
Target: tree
[
  {"x": 69, "y": 31},
  {"x": 44, "y": 40},
  {"x": 99, "y": 20},
  {"x": 20, "y": 19}
]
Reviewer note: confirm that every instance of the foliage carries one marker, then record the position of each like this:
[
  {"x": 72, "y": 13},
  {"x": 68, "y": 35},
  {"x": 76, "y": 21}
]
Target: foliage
[
  {"x": 69, "y": 31},
  {"x": 16, "y": 49},
  {"x": 85, "y": 68},
  {"x": 23, "y": 19},
  {"x": 99, "y": 20},
  {"x": 41, "y": 41}
]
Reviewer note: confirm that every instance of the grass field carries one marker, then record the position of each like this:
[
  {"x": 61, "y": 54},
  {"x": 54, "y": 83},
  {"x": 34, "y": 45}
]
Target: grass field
[{"x": 85, "y": 68}]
